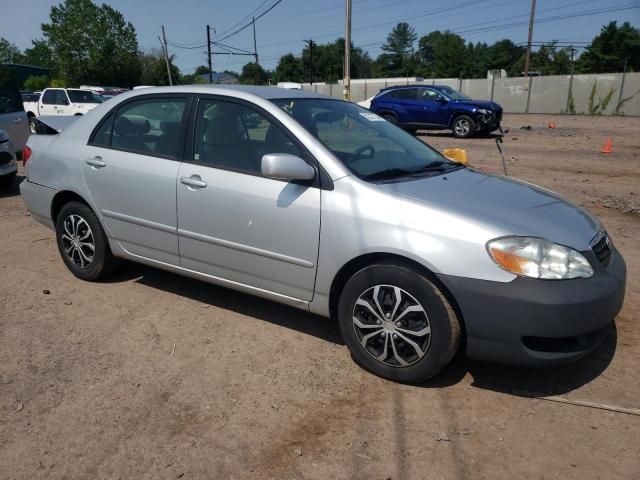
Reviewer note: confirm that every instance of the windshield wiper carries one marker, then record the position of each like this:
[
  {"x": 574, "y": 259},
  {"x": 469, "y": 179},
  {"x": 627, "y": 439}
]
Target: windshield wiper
[
  {"x": 435, "y": 166},
  {"x": 389, "y": 173}
]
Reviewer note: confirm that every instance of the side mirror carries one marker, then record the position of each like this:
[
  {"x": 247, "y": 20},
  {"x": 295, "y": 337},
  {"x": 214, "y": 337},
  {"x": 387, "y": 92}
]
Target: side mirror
[{"x": 283, "y": 166}]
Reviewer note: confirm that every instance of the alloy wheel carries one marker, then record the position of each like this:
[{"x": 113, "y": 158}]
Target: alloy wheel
[
  {"x": 462, "y": 127},
  {"x": 391, "y": 325},
  {"x": 78, "y": 242}
]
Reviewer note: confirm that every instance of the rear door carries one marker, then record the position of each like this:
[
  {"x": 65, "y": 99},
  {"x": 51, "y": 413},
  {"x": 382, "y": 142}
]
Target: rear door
[
  {"x": 405, "y": 104},
  {"x": 235, "y": 224},
  {"x": 130, "y": 166},
  {"x": 14, "y": 119}
]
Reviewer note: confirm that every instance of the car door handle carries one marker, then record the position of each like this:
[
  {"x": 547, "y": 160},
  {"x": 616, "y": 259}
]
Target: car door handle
[
  {"x": 17, "y": 120},
  {"x": 194, "y": 181},
  {"x": 96, "y": 162}
]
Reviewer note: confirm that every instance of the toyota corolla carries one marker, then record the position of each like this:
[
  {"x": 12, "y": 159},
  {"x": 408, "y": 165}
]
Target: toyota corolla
[{"x": 320, "y": 204}]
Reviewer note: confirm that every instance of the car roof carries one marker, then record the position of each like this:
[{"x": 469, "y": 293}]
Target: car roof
[
  {"x": 405, "y": 87},
  {"x": 268, "y": 93}
]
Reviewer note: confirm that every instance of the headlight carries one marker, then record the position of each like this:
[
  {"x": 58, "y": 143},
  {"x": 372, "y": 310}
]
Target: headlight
[
  {"x": 538, "y": 258},
  {"x": 484, "y": 111}
]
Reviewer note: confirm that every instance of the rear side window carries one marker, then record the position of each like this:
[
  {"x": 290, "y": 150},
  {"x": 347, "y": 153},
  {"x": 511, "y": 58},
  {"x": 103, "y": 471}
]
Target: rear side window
[
  {"x": 149, "y": 126},
  {"x": 10, "y": 102},
  {"x": 404, "y": 94},
  {"x": 102, "y": 136}
]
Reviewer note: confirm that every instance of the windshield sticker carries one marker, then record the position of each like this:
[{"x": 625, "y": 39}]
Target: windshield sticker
[{"x": 372, "y": 117}]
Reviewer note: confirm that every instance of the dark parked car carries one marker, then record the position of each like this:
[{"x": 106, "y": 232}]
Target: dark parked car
[{"x": 436, "y": 107}]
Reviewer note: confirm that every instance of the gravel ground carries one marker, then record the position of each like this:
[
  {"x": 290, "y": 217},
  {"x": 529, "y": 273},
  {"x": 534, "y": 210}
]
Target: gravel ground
[{"x": 151, "y": 375}]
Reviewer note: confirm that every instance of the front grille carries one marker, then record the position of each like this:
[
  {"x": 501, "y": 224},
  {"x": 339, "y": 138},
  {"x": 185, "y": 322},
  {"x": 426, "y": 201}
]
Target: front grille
[{"x": 602, "y": 250}]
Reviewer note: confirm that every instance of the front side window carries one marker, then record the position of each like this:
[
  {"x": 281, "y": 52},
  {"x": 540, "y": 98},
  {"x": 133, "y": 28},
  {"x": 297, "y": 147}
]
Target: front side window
[
  {"x": 149, "y": 126},
  {"x": 10, "y": 103},
  {"x": 49, "y": 97},
  {"x": 368, "y": 145},
  {"x": 429, "y": 95},
  {"x": 235, "y": 137}
]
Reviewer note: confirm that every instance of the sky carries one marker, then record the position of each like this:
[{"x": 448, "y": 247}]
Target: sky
[{"x": 290, "y": 22}]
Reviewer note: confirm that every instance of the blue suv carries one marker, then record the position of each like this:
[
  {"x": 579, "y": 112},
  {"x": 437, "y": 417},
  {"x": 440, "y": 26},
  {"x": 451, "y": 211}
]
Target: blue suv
[{"x": 436, "y": 107}]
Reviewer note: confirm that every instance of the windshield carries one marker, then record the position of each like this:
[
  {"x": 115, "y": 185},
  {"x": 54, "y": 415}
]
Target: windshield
[
  {"x": 368, "y": 145},
  {"x": 83, "y": 96},
  {"x": 453, "y": 94}
]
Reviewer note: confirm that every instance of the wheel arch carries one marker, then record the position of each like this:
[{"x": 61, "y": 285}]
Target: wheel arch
[
  {"x": 365, "y": 260},
  {"x": 61, "y": 199}
]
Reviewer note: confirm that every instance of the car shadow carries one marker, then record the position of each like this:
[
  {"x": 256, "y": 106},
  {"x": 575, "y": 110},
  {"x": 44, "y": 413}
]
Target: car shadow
[
  {"x": 221, "y": 297},
  {"x": 449, "y": 134},
  {"x": 13, "y": 189},
  {"x": 498, "y": 378}
]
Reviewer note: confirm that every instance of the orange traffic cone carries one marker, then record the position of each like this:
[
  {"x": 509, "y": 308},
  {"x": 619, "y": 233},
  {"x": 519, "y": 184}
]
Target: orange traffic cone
[{"x": 607, "y": 147}]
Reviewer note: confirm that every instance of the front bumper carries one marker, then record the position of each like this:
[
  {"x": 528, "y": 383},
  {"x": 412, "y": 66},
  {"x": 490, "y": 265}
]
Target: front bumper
[{"x": 532, "y": 322}]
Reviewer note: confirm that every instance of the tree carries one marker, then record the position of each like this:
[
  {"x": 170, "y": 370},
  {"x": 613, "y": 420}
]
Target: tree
[
  {"x": 444, "y": 54},
  {"x": 153, "y": 69},
  {"x": 609, "y": 50},
  {"x": 92, "y": 44},
  {"x": 289, "y": 69},
  {"x": 9, "y": 53},
  {"x": 253, "y": 74},
  {"x": 398, "y": 50},
  {"x": 201, "y": 70},
  {"x": 36, "y": 83},
  {"x": 39, "y": 55}
]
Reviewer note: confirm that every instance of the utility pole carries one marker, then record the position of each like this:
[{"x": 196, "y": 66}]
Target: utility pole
[
  {"x": 165, "y": 53},
  {"x": 347, "y": 53},
  {"x": 255, "y": 44},
  {"x": 527, "y": 59},
  {"x": 310, "y": 43},
  {"x": 209, "y": 53}
]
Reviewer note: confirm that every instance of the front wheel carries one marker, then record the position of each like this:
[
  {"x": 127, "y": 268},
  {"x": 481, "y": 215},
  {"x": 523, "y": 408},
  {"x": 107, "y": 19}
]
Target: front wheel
[
  {"x": 463, "y": 127},
  {"x": 82, "y": 242},
  {"x": 397, "y": 323},
  {"x": 33, "y": 125}
]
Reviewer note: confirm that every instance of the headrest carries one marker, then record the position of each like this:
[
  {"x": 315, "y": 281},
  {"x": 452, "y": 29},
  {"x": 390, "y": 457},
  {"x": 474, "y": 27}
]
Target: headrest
[
  {"x": 131, "y": 125},
  {"x": 223, "y": 131},
  {"x": 169, "y": 127}
]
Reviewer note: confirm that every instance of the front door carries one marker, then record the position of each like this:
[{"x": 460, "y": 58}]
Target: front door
[
  {"x": 235, "y": 224},
  {"x": 130, "y": 166},
  {"x": 433, "y": 109},
  {"x": 54, "y": 102}
]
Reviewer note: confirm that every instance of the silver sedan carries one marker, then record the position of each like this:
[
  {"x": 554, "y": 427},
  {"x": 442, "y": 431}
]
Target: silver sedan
[{"x": 320, "y": 204}]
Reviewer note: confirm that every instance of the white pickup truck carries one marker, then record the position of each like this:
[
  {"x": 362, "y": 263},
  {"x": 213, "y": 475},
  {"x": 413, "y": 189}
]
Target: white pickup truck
[{"x": 61, "y": 101}]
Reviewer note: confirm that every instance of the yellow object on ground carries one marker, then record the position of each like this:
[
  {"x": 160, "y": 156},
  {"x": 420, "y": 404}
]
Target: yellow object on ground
[{"x": 456, "y": 154}]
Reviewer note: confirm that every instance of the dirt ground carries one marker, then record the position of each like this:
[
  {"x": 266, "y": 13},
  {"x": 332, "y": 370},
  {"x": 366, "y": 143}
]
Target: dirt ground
[{"x": 151, "y": 375}]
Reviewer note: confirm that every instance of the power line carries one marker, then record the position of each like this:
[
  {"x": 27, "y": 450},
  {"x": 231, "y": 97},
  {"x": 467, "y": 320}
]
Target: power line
[{"x": 235, "y": 32}]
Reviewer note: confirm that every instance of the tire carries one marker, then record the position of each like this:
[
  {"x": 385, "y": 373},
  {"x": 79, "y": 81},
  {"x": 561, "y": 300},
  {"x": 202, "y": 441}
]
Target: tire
[
  {"x": 437, "y": 324},
  {"x": 390, "y": 117},
  {"x": 7, "y": 180},
  {"x": 463, "y": 126},
  {"x": 33, "y": 125},
  {"x": 77, "y": 221}
]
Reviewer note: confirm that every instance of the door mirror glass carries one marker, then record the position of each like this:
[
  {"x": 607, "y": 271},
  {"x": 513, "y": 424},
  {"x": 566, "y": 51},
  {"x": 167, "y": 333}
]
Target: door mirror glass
[{"x": 284, "y": 166}]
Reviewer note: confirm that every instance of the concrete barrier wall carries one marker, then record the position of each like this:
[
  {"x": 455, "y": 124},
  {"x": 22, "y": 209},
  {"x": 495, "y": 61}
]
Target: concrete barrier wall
[{"x": 525, "y": 95}]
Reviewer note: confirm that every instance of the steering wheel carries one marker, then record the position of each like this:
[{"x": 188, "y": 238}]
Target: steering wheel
[{"x": 358, "y": 153}]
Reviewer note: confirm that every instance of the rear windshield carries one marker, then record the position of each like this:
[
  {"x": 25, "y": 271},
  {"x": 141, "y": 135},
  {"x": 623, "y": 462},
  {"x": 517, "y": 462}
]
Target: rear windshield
[
  {"x": 83, "y": 96},
  {"x": 10, "y": 102}
]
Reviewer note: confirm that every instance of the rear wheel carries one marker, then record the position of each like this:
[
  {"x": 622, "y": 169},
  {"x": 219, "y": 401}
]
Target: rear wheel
[
  {"x": 82, "y": 242},
  {"x": 6, "y": 180},
  {"x": 463, "y": 127},
  {"x": 390, "y": 117},
  {"x": 397, "y": 323}
]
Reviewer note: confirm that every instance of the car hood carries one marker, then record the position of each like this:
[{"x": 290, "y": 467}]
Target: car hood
[
  {"x": 480, "y": 104},
  {"x": 507, "y": 205}
]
